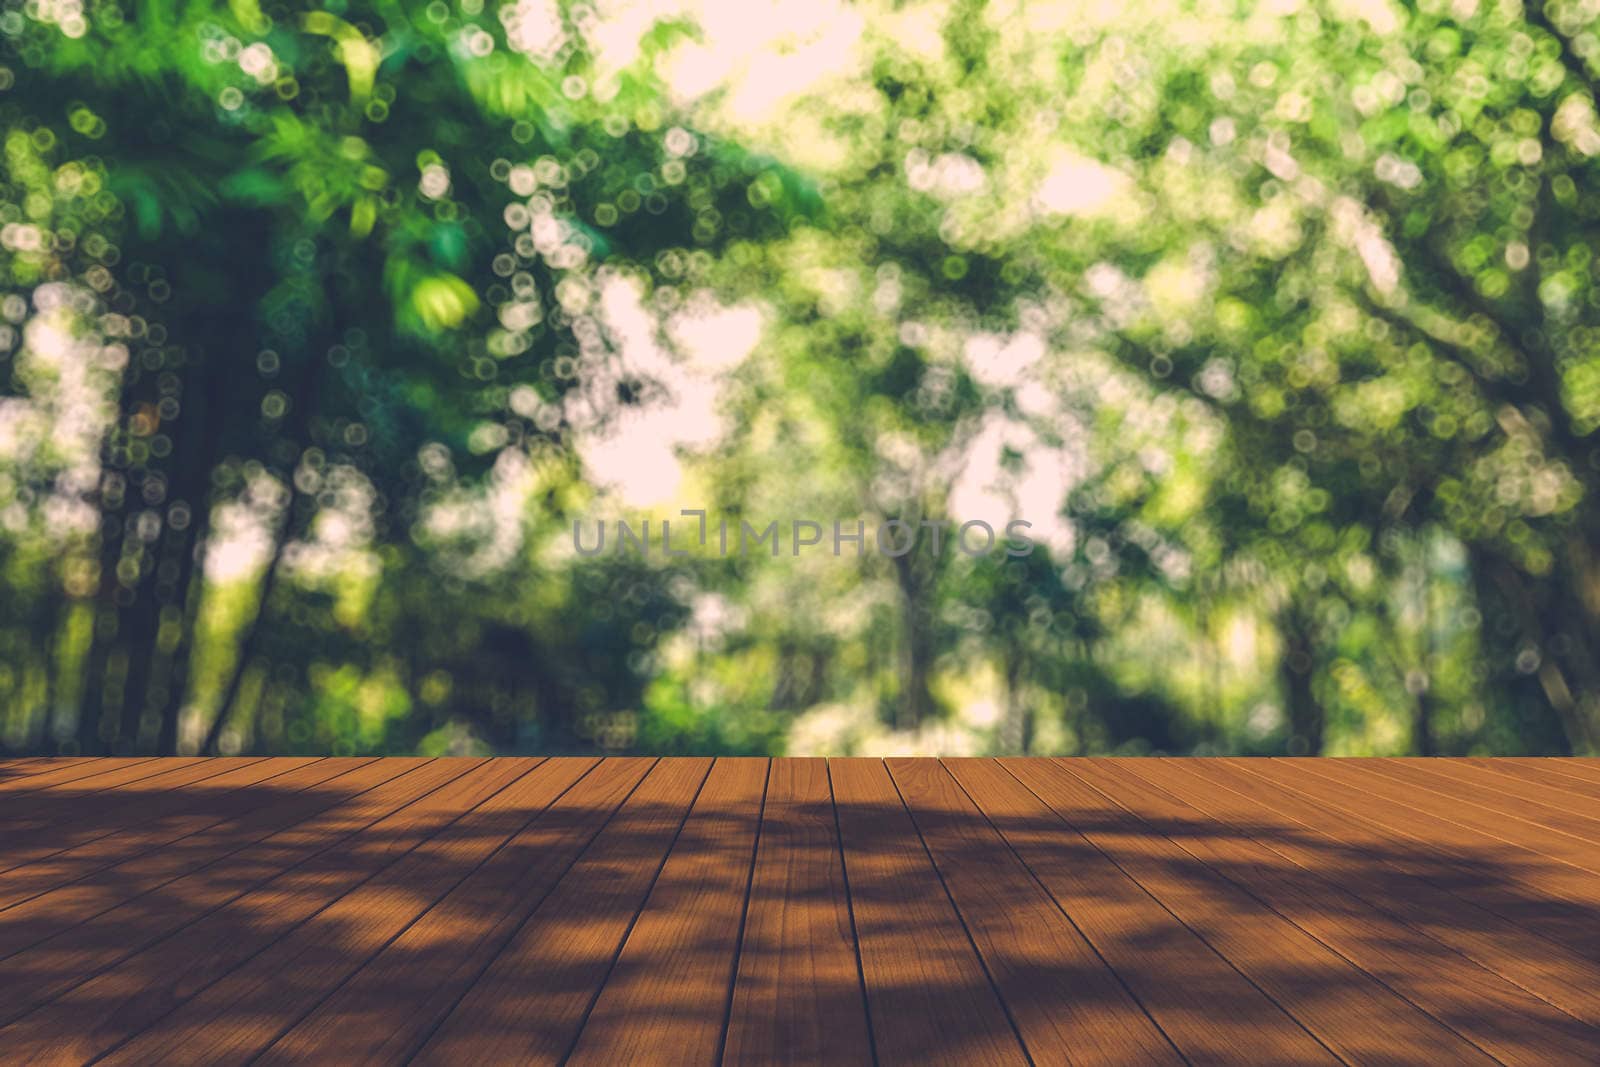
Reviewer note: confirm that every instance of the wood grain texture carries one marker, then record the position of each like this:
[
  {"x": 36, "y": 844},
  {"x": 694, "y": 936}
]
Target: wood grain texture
[
  {"x": 1504, "y": 819},
  {"x": 240, "y": 1014},
  {"x": 846, "y": 911},
  {"x": 1351, "y": 1012},
  {"x": 189, "y": 808},
  {"x": 66, "y": 773},
  {"x": 397, "y": 1000},
  {"x": 798, "y": 997},
  {"x": 1067, "y": 1004},
  {"x": 41, "y": 805},
  {"x": 1473, "y": 1002},
  {"x": 1208, "y": 1009},
  {"x": 1577, "y": 767},
  {"x": 1551, "y": 898},
  {"x": 1537, "y": 771},
  {"x": 929, "y": 996},
  {"x": 131, "y": 991},
  {"x": 66, "y": 815},
  {"x": 27, "y": 765},
  {"x": 666, "y": 998},
  {"x": 530, "y": 1004},
  {"x": 66, "y": 912},
  {"x": 1562, "y": 810},
  {"x": 1394, "y": 874},
  {"x": 1509, "y": 822}
]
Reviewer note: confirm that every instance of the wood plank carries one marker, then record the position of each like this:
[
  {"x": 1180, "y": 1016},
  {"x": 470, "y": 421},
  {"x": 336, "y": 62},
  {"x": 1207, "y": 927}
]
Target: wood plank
[
  {"x": 74, "y": 812},
  {"x": 1556, "y": 809},
  {"x": 134, "y": 963},
  {"x": 1583, "y": 767},
  {"x": 798, "y": 997},
  {"x": 1067, "y": 1003},
  {"x": 1208, "y": 1009},
  {"x": 1543, "y": 895},
  {"x": 43, "y": 794},
  {"x": 250, "y": 816},
  {"x": 62, "y": 817},
  {"x": 1502, "y": 826},
  {"x": 71, "y": 817},
  {"x": 689, "y": 911},
  {"x": 529, "y": 1005},
  {"x": 242, "y": 1013},
  {"x": 94, "y": 777},
  {"x": 1469, "y": 1002},
  {"x": 666, "y": 999},
  {"x": 1579, "y": 766},
  {"x": 1328, "y": 890},
  {"x": 76, "y": 772},
  {"x": 1527, "y": 780},
  {"x": 170, "y": 817},
  {"x": 17, "y": 768},
  {"x": 1352, "y": 1013},
  {"x": 1539, "y": 771},
  {"x": 929, "y": 998},
  {"x": 1426, "y": 887},
  {"x": 398, "y": 999},
  {"x": 95, "y": 1017}
]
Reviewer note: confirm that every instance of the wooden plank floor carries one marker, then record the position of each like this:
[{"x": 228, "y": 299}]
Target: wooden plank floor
[{"x": 843, "y": 911}]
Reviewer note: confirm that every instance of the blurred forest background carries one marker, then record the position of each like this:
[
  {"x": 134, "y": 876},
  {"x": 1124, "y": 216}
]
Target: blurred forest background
[{"x": 321, "y": 324}]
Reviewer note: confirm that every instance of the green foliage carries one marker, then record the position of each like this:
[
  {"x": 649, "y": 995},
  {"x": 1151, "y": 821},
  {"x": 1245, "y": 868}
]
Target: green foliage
[{"x": 1279, "y": 326}]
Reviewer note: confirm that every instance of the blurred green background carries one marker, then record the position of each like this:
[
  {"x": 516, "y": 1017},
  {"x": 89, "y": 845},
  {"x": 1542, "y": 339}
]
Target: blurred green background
[{"x": 321, "y": 326}]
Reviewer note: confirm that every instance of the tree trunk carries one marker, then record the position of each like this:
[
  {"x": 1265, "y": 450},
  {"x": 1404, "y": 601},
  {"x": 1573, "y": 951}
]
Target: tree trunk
[
  {"x": 91, "y": 710},
  {"x": 916, "y": 648},
  {"x": 192, "y": 589},
  {"x": 1019, "y": 713},
  {"x": 1422, "y": 739},
  {"x": 248, "y": 640},
  {"x": 1501, "y": 584},
  {"x": 142, "y": 625},
  {"x": 1414, "y": 657},
  {"x": 206, "y": 399},
  {"x": 297, "y": 431},
  {"x": 1296, "y": 670},
  {"x": 1575, "y": 619}
]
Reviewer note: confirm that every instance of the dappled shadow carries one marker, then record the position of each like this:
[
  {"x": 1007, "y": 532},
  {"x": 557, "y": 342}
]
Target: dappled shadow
[
  {"x": 348, "y": 909},
  {"x": 18, "y": 776}
]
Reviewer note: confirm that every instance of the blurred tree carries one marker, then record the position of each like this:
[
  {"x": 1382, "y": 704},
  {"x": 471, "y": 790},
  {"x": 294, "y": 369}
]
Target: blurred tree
[
  {"x": 1395, "y": 245},
  {"x": 305, "y": 216},
  {"x": 1276, "y": 320},
  {"x": 1355, "y": 239}
]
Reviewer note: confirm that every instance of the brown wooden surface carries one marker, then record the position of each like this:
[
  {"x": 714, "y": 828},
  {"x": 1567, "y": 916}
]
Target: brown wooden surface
[{"x": 842, "y": 911}]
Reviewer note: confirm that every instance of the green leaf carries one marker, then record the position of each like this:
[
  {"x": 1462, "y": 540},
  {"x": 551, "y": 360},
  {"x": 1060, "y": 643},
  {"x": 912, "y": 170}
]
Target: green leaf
[
  {"x": 443, "y": 301},
  {"x": 255, "y": 186},
  {"x": 448, "y": 244}
]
